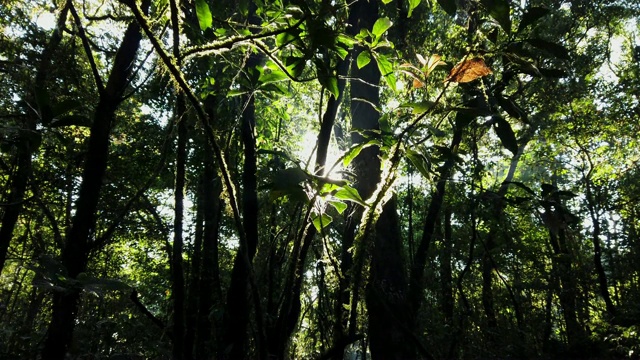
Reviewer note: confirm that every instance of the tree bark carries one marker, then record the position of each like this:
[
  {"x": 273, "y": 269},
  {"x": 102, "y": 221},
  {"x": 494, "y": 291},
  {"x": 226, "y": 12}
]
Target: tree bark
[
  {"x": 236, "y": 317},
  {"x": 75, "y": 253}
]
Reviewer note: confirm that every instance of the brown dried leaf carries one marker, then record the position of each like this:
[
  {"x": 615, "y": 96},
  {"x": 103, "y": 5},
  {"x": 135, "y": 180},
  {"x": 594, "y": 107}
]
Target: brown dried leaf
[
  {"x": 468, "y": 71},
  {"x": 417, "y": 84}
]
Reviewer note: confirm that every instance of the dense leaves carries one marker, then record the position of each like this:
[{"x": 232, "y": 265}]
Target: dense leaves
[{"x": 319, "y": 179}]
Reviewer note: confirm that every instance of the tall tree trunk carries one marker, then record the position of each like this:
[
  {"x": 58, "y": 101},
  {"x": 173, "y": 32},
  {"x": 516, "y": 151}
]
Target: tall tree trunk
[
  {"x": 567, "y": 286},
  {"x": 387, "y": 287},
  {"x": 193, "y": 287},
  {"x": 210, "y": 293},
  {"x": 177, "y": 268},
  {"x": 490, "y": 243},
  {"x": 446, "y": 274},
  {"x": 75, "y": 253},
  {"x": 236, "y": 316}
]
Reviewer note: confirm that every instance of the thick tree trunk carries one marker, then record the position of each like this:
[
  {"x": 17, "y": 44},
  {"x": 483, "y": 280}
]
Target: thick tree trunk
[
  {"x": 236, "y": 317},
  {"x": 386, "y": 291},
  {"x": 210, "y": 293},
  {"x": 177, "y": 267},
  {"x": 75, "y": 253}
]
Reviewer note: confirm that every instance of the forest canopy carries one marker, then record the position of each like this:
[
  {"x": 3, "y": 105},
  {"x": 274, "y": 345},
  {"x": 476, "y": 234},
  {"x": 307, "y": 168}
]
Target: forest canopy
[{"x": 319, "y": 179}]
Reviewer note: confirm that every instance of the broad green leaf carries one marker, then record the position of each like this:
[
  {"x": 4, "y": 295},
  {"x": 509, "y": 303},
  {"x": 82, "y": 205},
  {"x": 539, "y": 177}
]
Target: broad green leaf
[
  {"x": 322, "y": 221},
  {"x": 449, "y": 6},
  {"x": 381, "y": 25},
  {"x": 363, "y": 59},
  {"x": 285, "y": 38},
  {"x": 386, "y": 69},
  {"x": 330, "y": 83},
  {"x": 506, "y": 135},
  {"x": 355, "y": 150},
  {"x": 339, "y": 206},
  {"x": 412, "y": 5},
  {"x": 350, "y": 194},
  {"x": 269, "y": 76},
  {"x": 204, "y": 14},
  {"x": 386, "y": 1},
  {"x": 346, "y": 40},
  {"x": 554, "y": 49},
  {"x": 500, "y": 11},
  {"x": 531, "y": 16},
  {"x": 420, "y": 106},
  {"x": 420, "y": 162}
]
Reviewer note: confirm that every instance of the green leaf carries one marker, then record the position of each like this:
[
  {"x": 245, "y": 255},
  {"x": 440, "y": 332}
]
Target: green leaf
[
  {"x": 204, "y": 14},
  {"x": 386, "y": 1},
  {"x": 412, "y": 5},
  {"x": 350, "y": 194},
  {"x": 500, "y": 11},
  {"x": 364, "y": 58},
  {"x": 506, "y": 135},
  {"x": 420, "y": 106},
  {"x": 339, "y": 206},
  {"x": 381, "y": 25},
  {"x": 286, "y": 37},
  {"x": 330, "y": 83},
  {"x": 346, "y": 40},
  {"x": 322, "y": 221},
  {"x": 386, "y": 69},
  {"x": 554, "y": 49},
  {"x": 269, "y": 76},
  {"x": 531, "y": 16},
  {"x": 355, "y": 150},
  {"x": 449, "y": 6},
  {"x": 420, "y": 162}
]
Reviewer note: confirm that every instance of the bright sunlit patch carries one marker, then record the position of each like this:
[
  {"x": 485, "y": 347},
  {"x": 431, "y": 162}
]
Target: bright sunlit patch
[
  {"x": 46, "y": 21},
  {"x": 307, "y": 154}
]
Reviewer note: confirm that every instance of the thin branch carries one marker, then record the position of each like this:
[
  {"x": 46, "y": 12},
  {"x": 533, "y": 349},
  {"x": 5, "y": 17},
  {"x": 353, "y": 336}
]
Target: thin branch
[
  {"x": 229, "y": 43},
  {"x": 87, "y": 49}
]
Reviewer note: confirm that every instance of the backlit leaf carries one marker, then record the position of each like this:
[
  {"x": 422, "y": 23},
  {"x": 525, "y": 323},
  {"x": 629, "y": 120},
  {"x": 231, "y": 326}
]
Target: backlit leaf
[
  {"x": 381, "y": 25},
  {"x": 364, "y": 58},
  {"x": 322, "y": 221},
  {"x": 350, "y": 194},
  {"x": 386, "y": 70},
  {"x": 204, "y": 14},
  {"x": 412, "y": 5},
  {"x": 468, "y": 71}
]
